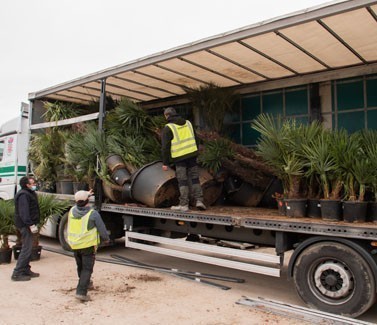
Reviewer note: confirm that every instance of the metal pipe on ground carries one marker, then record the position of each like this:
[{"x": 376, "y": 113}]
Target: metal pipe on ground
[{"x": 112, "y": 261}]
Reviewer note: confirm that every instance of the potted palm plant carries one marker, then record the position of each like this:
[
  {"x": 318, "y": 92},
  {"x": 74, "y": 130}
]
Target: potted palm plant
[
  {"x": 46, "y": 153},
  {"x": 6, "y": 228},
  {"x": 214, "y": 103},
  {"x": 48, "y": 207},
  {"x": 280, "y": 145},
  {"x": 369, "y": 143},
  {"x": 324, "y": 155},
  {"x": 356, "y": 170},
  {"x": 321, "y": 154}
]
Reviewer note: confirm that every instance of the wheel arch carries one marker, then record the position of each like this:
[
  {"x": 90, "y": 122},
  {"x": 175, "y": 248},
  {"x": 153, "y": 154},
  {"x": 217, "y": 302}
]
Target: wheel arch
[
  {"x": 58, "y": 222},
  {"x": 357, "y": 246}
]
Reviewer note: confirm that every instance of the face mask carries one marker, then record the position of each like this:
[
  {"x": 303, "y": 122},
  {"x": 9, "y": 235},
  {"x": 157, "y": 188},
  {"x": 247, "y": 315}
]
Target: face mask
[{"x": 34, "y": 188}]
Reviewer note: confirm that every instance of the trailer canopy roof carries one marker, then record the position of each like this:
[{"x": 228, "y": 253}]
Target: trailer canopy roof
[{"x": 334, "y": 36}]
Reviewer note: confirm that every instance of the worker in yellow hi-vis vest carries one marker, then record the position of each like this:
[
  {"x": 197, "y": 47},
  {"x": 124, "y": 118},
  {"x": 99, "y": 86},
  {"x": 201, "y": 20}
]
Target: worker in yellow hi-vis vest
[
  {"x": 179, "y": 147},
  {"x": 85, "y": 228}
]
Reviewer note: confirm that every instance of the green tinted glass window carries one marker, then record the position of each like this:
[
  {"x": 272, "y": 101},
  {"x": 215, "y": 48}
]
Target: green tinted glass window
[
  {"x": 233, "y": 131},
  {"x": 273, "y": 103},
  {"x": 250, "y": 108},
  {"x": 372, "y": 119},
  {"x": 302, "y": 119},
  {"x": 371, "y": 92},
  {"x": 352, "y": 121},
  {"x": 249, "y": 135},
  {"x": 296, "y": 102},
  {"x": 350, "y": 95}
]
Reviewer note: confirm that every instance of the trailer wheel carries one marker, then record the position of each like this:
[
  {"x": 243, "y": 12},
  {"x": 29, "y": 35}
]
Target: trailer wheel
[
  {"x": 63, "y": 234},
  {"x": 335, "y": 278}
]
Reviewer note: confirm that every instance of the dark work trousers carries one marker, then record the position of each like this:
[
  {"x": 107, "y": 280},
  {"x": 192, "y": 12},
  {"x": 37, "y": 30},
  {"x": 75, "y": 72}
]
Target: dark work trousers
[
  {"x": 187, "y": 173},
  {"x": 85, "y": 259},
  {"x": 23, "y": 262}
]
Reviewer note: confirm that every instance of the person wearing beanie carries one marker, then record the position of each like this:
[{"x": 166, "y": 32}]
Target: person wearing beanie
[
  {"x": 85, "y": 228},
  {"x": 180, "y": 148}
]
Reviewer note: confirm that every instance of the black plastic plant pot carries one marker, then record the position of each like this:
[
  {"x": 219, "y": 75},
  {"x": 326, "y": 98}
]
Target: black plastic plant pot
[
  {"x": 66, "y": 187},
  {"x": 126, "y": 193},
  {"x": 296, "y": 208},
  {"x": 372, "y": 212},
  {"x": 281, "y": 207},
  {"x": 5, "y": 256},
  {"x": 80, "y": 186},
  {"x": 314, "y": 209},
  {"x": 115, "y": 162},
  {"x": 121, "y": 176},
  {"x": 354, "y": 211},
  {"x": 36, "y": 253},
  {"x": 331, "y": 210},
  {"x": 154, "y": 187},
  {"x": 16, "y": 251}
]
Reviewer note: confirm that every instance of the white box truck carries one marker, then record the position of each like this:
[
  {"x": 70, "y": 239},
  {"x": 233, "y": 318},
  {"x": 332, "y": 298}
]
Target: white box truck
[{"x": 14, "y": 138}]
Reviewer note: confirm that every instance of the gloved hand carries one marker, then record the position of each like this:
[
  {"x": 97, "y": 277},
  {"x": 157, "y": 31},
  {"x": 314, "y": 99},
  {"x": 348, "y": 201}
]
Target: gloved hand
[{"x": 34, "y": 229}]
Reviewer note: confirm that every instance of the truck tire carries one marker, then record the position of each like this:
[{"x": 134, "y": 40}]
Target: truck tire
[
  {"x": 63, "y": 232},
  {"x": 334, "y": 278}
]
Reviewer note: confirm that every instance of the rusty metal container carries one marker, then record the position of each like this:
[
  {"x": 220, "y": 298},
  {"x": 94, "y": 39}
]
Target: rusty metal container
[{"x": 154, "y": 187}]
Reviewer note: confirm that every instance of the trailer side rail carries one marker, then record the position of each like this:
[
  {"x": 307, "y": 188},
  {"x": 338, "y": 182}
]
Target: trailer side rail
[{"x": 265, "y": 222}]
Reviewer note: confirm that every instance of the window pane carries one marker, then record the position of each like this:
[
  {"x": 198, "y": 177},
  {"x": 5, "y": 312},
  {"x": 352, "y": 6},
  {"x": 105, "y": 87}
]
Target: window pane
[
  {"x": 250, "y": 108},
  {"x": 296, "y": 102},
  {"x": 233, "y": 131},
  {"x": 372, "y": 92},
  {"x": 372, "y": 119},
  {"x": 350, "y": 95},
  {"x": 273, "y": 104},
  {"x": 302, "y": 119},
  {"x": 352, "y": 122},
  {"x": 249, "y": 135}
]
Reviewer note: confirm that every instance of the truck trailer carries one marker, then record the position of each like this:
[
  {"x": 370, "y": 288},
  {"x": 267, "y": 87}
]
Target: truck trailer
[
  {"x": 274, "y": 67},
  {"x": 14, "y": 138}
]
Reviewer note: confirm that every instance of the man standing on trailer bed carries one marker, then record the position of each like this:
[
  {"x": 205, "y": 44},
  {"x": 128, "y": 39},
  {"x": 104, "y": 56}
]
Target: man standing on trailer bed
[
  {"x": 85, "y": 227},
  {"x": 179, "y": 147}
]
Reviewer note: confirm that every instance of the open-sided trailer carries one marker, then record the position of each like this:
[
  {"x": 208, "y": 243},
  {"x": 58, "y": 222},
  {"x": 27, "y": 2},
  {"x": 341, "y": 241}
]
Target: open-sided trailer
[
  {"x": 319, "y": 60},
  {"x": 333, "y": 264}
]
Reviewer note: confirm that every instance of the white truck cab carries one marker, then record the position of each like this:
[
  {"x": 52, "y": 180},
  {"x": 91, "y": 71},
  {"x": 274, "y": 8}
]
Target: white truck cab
[{"x": 14, "y": 138}]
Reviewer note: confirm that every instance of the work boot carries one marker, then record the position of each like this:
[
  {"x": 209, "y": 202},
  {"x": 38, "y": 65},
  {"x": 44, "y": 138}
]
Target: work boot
[
  {"x": 82, "y": 297},
  {"x": 200, "y": 205},
  {"x": 182, "y": 208},
  {"x": 21, "y": 277},
  {"x": 32, "y": 274}
]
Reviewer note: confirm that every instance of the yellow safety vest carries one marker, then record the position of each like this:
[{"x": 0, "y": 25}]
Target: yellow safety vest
[
  {"x": 78, "y": 234},
  {"x": 183, "y": 141}
]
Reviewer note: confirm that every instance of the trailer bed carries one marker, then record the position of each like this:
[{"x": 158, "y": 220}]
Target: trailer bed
[{"x": 255, "y": 218}]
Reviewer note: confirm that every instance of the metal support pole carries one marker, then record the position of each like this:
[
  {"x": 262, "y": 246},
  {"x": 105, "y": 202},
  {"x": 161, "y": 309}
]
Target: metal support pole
[
  {"x": 101, "y": 117},
  {"x": 102, "y": 104},
  {"x": 315, "y": 103}
]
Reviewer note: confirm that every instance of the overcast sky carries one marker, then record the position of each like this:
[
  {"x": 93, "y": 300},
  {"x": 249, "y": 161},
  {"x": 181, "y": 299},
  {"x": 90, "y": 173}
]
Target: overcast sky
[{"x": 47, "y": 42}]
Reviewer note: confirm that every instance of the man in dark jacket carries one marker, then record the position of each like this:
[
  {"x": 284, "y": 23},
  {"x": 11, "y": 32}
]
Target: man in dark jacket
[
  {"x": 85, "y": 226},
  {"x": 179, "y": 147},
  {"x": 26, "y": 221}
]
